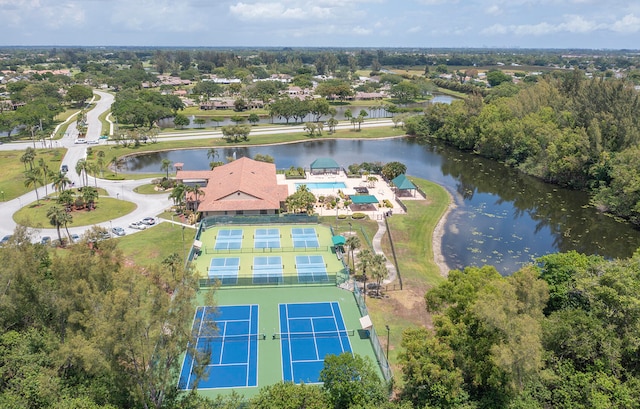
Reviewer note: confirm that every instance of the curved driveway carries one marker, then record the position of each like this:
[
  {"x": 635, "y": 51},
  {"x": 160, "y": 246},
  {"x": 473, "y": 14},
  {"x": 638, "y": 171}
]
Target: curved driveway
[{"x": 147, "y": 205}]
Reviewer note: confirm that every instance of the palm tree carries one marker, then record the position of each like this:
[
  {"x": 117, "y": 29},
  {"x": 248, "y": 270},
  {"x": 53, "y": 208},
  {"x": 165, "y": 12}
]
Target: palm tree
[
  {"x": 60, "y": 181},
  {"x": 116, "y": 162},
  {"x": 66, "y": 197},
  {"x": 332, "y": 122},
  {"x": 173, "y": 262},
  {"x": 28, "y": 157},
  {"x": 89, "y": 196},
  {"x": 353, "y": 243},
  {"x": 100, "y": 166},
  {"x": 33, "y": 179},
  {"x": 66, "y": 218},
  {"x": 195, "y": 189},
  {"x": 166, "y": 164},
  {"x": 378, "y": 270},
  {"x": 81, "y": 169},
  {"x": 55, "y": 216},
  {"x": 94, "y": 168},
  {"x": 100, "y": 162},
  {"x": 177, "y": 194},
  {"x": 364, "y": 263},
  {"x": 46, "y": 173},
  {"x": 212, "y": 153}
]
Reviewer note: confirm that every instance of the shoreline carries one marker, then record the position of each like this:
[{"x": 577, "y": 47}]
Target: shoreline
[{"x": 436, "y": 238}]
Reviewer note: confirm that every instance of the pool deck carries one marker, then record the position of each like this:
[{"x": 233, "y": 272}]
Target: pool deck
[{"x": 380, "y": 189}]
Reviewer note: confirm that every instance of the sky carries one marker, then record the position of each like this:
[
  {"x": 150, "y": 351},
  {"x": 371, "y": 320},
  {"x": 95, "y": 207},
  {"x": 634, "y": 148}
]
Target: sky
[{"x": 587, "y": 24}]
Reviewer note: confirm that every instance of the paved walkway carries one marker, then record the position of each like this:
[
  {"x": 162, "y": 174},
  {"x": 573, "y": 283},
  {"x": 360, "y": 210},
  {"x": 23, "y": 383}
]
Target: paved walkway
[{"x": 377, "y": 247}]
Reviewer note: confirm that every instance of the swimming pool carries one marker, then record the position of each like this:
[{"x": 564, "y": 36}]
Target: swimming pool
[{"x": 322, "y": 185}]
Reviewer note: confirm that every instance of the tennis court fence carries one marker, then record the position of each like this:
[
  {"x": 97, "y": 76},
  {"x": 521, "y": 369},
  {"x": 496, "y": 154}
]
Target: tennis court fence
[
  {"x": 259, "y": 219},
  {"x": 330, "y": 279},
  {"x": 373, "y": 336},
  {"x": 209, "y": 250}
]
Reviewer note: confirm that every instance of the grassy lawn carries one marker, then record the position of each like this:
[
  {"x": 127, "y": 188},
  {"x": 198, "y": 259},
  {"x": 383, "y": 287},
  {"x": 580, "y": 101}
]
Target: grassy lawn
[
  {"x": 412, "y": 236},
  {"x": 149, "y": 189},
  {"x": 34, "y": 215},
  {"x": 12, "y": 179},
  {"x": 106, "y": 127},
  {"x": 154, "y": 244}
]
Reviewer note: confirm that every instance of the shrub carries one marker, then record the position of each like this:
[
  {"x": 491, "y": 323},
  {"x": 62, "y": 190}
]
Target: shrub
[
  {"x": 388, "y": 204},
  {"x": 358, "y": 216},
  {"x": 342, "y": 216}
]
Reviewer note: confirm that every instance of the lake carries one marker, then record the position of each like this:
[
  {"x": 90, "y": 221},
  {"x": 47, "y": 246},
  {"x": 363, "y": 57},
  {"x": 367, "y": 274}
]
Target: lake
[
  {"x": 502, "y": 218},
  {"x": 375, "y": 111}
]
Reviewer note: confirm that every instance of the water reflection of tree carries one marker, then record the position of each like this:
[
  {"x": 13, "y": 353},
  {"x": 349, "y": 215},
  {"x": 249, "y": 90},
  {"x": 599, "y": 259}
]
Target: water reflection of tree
[{"x": 573, "y": 223}]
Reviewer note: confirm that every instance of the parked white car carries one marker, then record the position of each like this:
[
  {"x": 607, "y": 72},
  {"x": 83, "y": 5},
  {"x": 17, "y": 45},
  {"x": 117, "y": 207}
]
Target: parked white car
[
  {"x": 138, "y": 226},
  {"x": 149, "y": 221}
]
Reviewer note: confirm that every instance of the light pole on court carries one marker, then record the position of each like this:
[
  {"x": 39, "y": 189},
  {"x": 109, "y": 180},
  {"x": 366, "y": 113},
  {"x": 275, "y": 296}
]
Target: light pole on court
[{"x": 388, "y": 333}]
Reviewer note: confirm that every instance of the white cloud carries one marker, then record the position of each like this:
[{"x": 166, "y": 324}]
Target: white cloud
[
  {"x": 361, "y": 31},
  {"x": 437, "y": 2},
  {"x": 494, "y": 10},
  {"x": 306, "y": 10},
  {"x": 628, "y": 24},
  {"x": 573, "y": 24},
  {"x": 414, "y": 30}
]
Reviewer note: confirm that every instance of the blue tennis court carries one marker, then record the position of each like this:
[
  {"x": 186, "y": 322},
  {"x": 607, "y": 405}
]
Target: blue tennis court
[
  {"x": 311, "y": 269},
  {"x": 228, "y": 336},
  {"x": 266, "y": 238},
  {"x": 309, "y": 332},
  {"x": 229, "y": 239},
  {"x": 225, "y": 269},
  {"x": 267, "y": 269},
  {"x": 304, "y": 237}
]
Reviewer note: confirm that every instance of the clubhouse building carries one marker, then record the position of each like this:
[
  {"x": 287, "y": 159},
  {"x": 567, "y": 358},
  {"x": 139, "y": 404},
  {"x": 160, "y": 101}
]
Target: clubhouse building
[{"x": 241, "y": 187}]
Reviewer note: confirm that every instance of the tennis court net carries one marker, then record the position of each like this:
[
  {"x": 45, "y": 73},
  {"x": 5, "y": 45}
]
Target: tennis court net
[
  {"x": 319, "y": 334},
  {"x": 231, "y": 338}
]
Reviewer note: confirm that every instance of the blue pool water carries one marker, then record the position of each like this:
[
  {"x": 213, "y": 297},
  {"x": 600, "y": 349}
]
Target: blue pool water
[{"x": 323, "y": 185}]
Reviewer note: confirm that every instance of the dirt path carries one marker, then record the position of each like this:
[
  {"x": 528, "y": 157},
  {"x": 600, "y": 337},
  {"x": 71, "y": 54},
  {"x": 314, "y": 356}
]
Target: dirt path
[{"x": 436, "y": 244}]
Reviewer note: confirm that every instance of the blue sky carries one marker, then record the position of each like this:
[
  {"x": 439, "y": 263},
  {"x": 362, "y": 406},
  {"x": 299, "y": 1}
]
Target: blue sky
[{"x": 611, "y": 24}]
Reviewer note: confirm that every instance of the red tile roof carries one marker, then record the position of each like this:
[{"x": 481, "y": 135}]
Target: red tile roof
[{"x": 244, "y": 184}]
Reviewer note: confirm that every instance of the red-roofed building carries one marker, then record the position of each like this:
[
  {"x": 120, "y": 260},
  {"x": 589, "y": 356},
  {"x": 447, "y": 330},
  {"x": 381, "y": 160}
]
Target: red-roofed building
[{"x": 242, "y": 187}]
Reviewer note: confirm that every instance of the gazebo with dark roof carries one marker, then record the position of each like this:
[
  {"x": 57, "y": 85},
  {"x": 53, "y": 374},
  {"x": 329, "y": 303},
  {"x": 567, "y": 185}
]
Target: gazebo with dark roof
[
  {"x": 323, "y": 166},
  {"x": 403, "y": 184},
  {"x": 363, "y": 202}
]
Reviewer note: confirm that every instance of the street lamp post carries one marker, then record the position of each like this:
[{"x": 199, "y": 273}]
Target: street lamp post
[
  {"x": 388, "y": 332},
  {"x": 2, "y": 195},
  {"x": 20, "y": 201},
  {"x": 184, "y": 250},
  {"x": 350, "y": 228}
]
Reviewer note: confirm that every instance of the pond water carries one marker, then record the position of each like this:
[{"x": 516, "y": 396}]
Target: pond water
[
  {"x": 372, "y": 112},
  {"x": 502, "y": 218}
]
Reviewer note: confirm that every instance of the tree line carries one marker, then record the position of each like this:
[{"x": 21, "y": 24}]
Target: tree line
[
  {"x": 565, "y": 129},
  {"x": 561, "y": 333},
  {"x": 85, "y": 330}
]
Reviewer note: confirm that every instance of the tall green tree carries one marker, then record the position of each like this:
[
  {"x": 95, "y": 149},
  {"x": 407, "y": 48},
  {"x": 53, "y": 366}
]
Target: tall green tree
[
  {"x": 352, "y": 381},
  {"x": 287, "y": 395}
]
